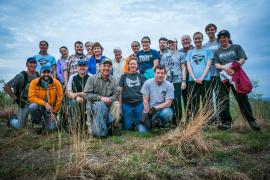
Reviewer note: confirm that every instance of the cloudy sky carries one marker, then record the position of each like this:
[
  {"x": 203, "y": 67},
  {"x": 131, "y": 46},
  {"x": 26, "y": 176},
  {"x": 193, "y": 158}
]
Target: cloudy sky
[{"x": 116, "y": 23}]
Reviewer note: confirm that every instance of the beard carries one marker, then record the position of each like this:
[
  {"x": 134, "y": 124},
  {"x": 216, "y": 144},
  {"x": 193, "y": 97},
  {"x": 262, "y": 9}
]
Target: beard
[{"x": 46, "y": 77}]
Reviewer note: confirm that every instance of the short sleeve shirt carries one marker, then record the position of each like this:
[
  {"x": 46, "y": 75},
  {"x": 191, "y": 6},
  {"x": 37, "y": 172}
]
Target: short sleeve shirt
[
  {"x": 173, "y": 62},
  {"x": 233, "y": 53},
  {"x": 18, "y": 81},
  {"x": 146, "y": 59},
  {"x": 198, "y": 59},
  {"x": 158, "y": 93},
  {"x": 212, "y": 46},
  {"x": 43, "y": 60},
  {"x": 132, "y": 85}
]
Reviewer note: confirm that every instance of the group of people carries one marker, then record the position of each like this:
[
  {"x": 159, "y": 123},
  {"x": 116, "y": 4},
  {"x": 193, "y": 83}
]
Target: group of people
[{"x": 145, "y": 90}]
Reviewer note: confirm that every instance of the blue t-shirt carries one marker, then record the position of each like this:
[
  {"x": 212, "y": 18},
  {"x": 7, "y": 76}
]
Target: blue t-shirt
[
  {"x": 146, "y": 59},
  {"x": 198, "y": 59},
  {"x": 43, "y": 60}
]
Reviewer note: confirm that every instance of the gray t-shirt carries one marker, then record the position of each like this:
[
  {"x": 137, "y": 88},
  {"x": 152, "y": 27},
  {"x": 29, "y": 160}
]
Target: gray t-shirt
[
  {"x": 158, "y": 93},
  {"x": 173, "y": 62},
  {"x": 18, "y": 81},
  {"x": 233, "y": 53},
  {"x": 214, "y": 45}
]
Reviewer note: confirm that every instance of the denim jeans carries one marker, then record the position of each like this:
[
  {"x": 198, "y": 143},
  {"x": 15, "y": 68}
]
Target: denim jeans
[
  {"x": 37, "y": 112},
  {"x": 22, "y": 115},
  {"x": 77, "y": 113},
  {"x": 165, "y": 115},
  {"x": 132, "y": 115},
  {"x": 100, "y": 117}
]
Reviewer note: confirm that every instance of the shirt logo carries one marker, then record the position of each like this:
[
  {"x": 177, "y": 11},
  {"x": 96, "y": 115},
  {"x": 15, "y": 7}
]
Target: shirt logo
[
  {"x": 197, "y": 58},
  {"x": 131, "y": 83}
]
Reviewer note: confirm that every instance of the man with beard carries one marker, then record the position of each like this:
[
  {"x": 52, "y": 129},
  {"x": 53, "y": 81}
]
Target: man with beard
[
  {"x": 71, "y": 64},
  {"x": 103, "y": 109},
  {"x": 163, "y": 46},
  {"x": 45, "y": 96},
  {"x": 158, "y": 95},
  {"x": 20, "y": 85}
]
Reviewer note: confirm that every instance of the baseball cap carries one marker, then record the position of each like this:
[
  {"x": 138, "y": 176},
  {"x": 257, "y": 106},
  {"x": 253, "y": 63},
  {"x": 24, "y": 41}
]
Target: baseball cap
[
  {"x": 172, "y": 39},
  {"x": 224, "y": 32},
  {"x": 106, "y": 60},
  {"x": 45, "y": 68},
  {"x": 81, "y": 62},
  {"x": 31, "y": 59}
]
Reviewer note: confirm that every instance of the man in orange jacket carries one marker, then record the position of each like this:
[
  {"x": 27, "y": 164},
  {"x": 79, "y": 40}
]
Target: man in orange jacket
[{"x": 45, "y": 96}]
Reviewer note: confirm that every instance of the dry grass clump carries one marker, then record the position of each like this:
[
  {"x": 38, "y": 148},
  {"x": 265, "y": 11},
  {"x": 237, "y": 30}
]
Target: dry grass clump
[
  {"x": 187, "y": 139},
  {"x": 218, "y": 173}
]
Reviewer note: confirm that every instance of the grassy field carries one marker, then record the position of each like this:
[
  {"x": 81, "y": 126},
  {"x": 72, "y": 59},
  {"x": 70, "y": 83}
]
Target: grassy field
[
  {"x": 183, "y": 153},
  {"x": 187, "y": 152}
]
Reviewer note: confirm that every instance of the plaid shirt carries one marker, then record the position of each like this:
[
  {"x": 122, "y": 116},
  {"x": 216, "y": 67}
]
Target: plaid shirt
[{"x": 71, "y": 64}]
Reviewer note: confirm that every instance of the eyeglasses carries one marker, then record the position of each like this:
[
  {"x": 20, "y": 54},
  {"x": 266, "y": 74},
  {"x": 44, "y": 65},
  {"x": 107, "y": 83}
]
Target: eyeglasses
[
  {"x": 145, "y": 42},
  {"x": 134, "y": 46}
]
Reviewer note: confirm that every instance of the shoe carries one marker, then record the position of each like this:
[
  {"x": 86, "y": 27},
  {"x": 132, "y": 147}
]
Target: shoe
[
  {"x": 224, "y": 126},
  {"x": 38, "y": 128},
  {"x": 253, "y": 125}
]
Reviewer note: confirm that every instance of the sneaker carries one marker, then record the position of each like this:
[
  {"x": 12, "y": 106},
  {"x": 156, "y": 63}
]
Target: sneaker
[
  {"x": 224, "y": 126},
  {"x": 253, "y": 125},
  {"x": 38, "y": 128}
]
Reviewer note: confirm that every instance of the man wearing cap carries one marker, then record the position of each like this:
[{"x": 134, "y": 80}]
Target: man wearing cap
[
  {"x": 20, "y": 85},
  {"x": 163, "y": 46},
  {"x": 103, "y": 109},
  {"x": 71, "y": 64},
  {"x": 118, "y": 64},
  {"x": 45, "y": 96},
  {"x": 74, "y": 91},
  {"x": 175, "y": 65}
]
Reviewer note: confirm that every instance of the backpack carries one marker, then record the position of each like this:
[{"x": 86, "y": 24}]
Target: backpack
[
  {"x": 19, "y": 91},
  {"x": 242, "y": 83}
]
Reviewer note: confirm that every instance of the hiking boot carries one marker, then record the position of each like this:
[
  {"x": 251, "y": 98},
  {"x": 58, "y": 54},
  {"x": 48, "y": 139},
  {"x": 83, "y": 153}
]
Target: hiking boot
[
  {"x": 224, "y": 126},
  {"x": 253, "y": 125},
  {"x": 38, "y": 128}
]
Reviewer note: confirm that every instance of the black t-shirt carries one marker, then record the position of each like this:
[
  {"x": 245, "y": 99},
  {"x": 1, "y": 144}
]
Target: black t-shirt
[{"x": 132, "y": 84}]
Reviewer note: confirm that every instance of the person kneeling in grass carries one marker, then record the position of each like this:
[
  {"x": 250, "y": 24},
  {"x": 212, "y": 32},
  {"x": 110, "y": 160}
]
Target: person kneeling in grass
[
  {"x": 158, "y": 95},
  {"x": 75, "y": 88},
  {"x": 131, "y": 97},
  {"x": 103, "y": 109},
  {"x": 45, "y": 96}
]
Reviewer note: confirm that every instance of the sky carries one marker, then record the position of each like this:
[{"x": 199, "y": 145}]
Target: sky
[{"x": 116, "y": 23}]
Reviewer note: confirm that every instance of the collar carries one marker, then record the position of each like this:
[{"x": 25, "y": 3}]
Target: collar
[
  {"x": 100, "y": 77},
  {"x": 39, "y": 81}
]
